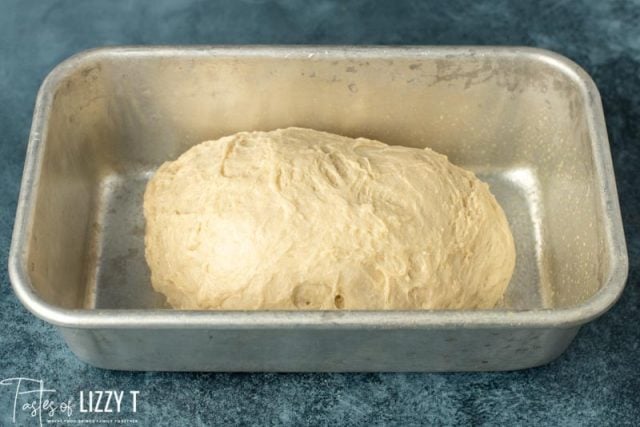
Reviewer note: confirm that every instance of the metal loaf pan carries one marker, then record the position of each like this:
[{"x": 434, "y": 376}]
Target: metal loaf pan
[{"x": 527, "y": 121}]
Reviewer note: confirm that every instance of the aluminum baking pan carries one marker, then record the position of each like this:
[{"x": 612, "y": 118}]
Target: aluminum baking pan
[{"x": 527, "y": 121}]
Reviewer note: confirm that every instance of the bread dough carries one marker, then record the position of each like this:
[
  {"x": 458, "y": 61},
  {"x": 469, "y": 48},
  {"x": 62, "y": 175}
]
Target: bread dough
[{"x": 301, "y": 219}]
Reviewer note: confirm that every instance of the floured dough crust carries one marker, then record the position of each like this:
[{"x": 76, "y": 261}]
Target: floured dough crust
[{"x": 301, "y": 219}]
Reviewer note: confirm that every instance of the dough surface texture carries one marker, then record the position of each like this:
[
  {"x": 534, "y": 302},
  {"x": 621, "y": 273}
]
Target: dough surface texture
[{"x": 301, "y": 219}]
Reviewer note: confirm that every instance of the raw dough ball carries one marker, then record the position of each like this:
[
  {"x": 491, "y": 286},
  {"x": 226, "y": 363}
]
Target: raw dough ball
[{"x": 301, "y": 219}]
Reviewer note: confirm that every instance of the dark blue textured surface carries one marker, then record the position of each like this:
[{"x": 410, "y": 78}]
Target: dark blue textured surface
[{"x": 597, "y": 382}]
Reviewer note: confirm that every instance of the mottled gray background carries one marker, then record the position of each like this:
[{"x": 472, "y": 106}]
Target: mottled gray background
[{"x": 597, "y": 382}]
